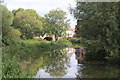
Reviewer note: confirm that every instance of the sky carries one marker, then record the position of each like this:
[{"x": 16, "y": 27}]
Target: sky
[{"x": 43, "y": 6}]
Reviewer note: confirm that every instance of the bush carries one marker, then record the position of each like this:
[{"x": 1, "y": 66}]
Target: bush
[
  {"x": 12, "y": 38},
  {"x": 43, "y": 45},
  {"x": 11, "y": 69},
  {"x": 37, "y": 39},
  {"x": 74, "y": 40},
  {"x": 95, "y": 51},
  {"x": 64, "y": 43}
]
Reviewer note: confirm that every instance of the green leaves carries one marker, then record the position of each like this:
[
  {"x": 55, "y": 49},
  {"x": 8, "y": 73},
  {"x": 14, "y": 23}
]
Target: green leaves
[
  {"x": 28, "y": 22},
  {"x": 57, "y": 22},
  {"x": 99, "y": 21},
  {"x": 9, "y": 34}
]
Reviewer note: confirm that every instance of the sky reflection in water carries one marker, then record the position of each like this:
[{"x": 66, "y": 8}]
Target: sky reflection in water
[{"x": 71, "y": 69}]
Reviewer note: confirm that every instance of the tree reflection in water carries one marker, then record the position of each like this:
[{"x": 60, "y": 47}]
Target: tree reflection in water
[
  {"x": 56, "y": 63},
  {"x": 53, "y": 62},
  {"x": 97, "y": 71},
  {"x": 94, "y": 70}
]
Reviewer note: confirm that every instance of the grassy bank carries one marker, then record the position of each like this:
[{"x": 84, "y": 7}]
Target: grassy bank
[
  {"x": 28, "y": 51},
  {"x": 45, "y": 45}
]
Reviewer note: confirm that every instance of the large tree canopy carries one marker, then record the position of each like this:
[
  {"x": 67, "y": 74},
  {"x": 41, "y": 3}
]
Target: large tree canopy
[
  {"x": 56, "y": 23},
  {"x": 28, "y": 22},
  {"x": 100, "y": 22}
]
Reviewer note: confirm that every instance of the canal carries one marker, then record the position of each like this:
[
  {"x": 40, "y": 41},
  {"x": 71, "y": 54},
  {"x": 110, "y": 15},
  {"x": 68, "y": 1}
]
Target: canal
[{"x": 67, "y": 64}]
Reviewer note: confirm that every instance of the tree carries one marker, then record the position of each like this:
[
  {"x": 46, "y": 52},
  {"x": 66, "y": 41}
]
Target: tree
[
  {"x": 28, "y": 22},
  {"x": 9, "y": 34},
  {"x": 100, "y": 23},
  {"x": 17, "y": 10},
  {"x": 56, "y": 23}
]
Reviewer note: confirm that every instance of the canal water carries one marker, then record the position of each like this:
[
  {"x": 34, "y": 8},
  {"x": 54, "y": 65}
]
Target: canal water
[{"x": 64, "y": 64}]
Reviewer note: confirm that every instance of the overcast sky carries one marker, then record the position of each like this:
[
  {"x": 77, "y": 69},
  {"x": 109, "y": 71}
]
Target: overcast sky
[{"x": 43, "y": 6}]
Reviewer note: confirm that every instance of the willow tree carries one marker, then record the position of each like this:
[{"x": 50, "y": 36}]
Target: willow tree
[{"x": 100, "y": 23}]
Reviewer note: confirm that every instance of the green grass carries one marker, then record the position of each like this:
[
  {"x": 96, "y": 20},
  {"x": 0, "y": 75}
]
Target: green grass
[{"x": 44, "y": 45}]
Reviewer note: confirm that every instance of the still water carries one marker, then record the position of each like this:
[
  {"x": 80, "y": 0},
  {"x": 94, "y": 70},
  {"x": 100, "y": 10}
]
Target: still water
[{"x": 64, "y": 64}]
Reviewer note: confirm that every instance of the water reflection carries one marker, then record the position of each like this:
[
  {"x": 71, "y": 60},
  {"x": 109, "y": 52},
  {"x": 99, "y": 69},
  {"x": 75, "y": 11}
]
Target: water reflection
[
  {"x": 56, "y": 63},
  {"x": 64, "y": 63},
  {"x": 97, "y": 71},
  {"x": 59, "y": 65},
  {"x": 79, "y": 54}
]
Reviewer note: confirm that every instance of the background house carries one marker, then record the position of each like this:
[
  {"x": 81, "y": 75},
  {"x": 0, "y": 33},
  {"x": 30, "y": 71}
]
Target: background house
[{"x": 70, "y": 32}]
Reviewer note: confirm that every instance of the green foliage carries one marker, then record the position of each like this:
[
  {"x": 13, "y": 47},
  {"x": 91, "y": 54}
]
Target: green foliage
[
  {"x": 12, "y": 38},
  {"x": 7, "y": 19},
  {"x": 100, "y": 25},
  {"x": 18, "y": 59},
  {"x": 44, "y": 45},
  {"x": 63, "y": 43},
  {"x": 17, "y": 10},
  {"x": 56, "y": 23},
  {"x": 0, "y": 40},
  {"x": 9, "y": 34},
  {"x": 28, "y": 22},
  {"x": 11, "y": 67},
  {"x": 0, "y": 63},
  {"x": 75, "y": 40}
]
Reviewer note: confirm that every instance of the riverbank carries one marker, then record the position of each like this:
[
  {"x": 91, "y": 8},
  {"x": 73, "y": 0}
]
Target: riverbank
[
  {"x": 94, "y": 51},
  {"x": 19, "y": 60},
  {"x": 24, "y": 59}
]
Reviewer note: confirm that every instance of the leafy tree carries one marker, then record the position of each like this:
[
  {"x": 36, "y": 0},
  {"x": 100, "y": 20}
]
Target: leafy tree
[
  {"x": 28, "y": 22},
  {"x": 9, "y": 34},
  {"x": 99, "y": 22},
  {"x": 56, "y": 23},
  {"x": 17, "y": 10}
]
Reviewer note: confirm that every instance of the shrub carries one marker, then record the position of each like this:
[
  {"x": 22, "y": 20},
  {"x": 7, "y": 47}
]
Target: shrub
[
  {"x": 37, "y": 39},
  {"x": 12, "y": 38},
  {"x": 74, "y": 40},
  {"x": 11, "y": 69},
  {"x": 64, "y": 43}
]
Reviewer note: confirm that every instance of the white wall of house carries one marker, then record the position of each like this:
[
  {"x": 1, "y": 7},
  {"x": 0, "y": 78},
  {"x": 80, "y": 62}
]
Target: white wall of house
[{"x": 71, "y": 32}]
